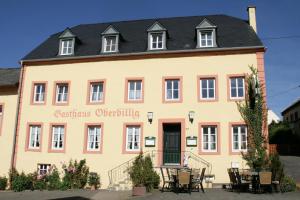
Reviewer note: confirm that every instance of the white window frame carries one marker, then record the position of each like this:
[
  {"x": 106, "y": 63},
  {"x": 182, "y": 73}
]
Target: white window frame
[
  {"x": 67, "y": 47},
  {"x": 206, "y": 39},
  {"x": 60, "y": 137},
  {"x": 209, "y": 127},
  {"x": 94, "y": 133},
  {"x": 207, "y": 88},
  {"x": 39, "y": 94},
  {"x": 172, "y": 90},
  {"x": 99, "y": 94},
  {"x": 110, "y": 44},
  {"x": 63, "y": 94},
  {"x": 35, "y": 135},
  {"x": 43, "y": 168},
  {"x": 135, "y": 91},
  {"x": 239, "y": 138},
  {"x": 237, "y": 87},
  {"x": 134, "y": 128},
  {"x": 156, "y": 41}
]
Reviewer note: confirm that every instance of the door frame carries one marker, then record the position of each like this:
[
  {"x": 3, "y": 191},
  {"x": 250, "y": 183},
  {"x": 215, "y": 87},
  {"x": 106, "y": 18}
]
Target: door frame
[{"x": 161, "y": 136}]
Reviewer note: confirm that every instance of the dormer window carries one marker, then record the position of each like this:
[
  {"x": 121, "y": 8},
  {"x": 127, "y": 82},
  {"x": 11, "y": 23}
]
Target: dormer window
[
  {"x": 206, "y": 34},
  {"x": 110, "y": 40},
  {"x": 157, "y": 37},
  {"x": 67, "y": 43}
]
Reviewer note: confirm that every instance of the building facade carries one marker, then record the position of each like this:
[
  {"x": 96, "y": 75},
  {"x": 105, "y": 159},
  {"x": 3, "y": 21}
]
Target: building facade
[
  {"x": 291, "y": 116},
  {"x": 165, "y": 87}
]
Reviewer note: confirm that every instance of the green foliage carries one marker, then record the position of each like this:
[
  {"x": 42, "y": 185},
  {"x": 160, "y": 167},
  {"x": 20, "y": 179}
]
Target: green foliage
[
  {"x": 253, "y": 111},
  {"x": 287, "y": 184},
  {"x": 40, "y": 184},
  {"x": 53, "y": 179},
  {"x": 276, "y": 167},
  {"x": 3, "y": 183},
  {"x": 281, "y": 133},
  {"x": 12, "y": 174},
  {"x": 76, "y": 175},
  {"x": 22, "y": 182},
  {"x": 94, "y": 179},
  {"x": 143, "y": 174}
]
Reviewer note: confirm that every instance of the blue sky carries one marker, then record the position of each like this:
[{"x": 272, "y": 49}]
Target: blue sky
[{"x": 25, "y": 24}]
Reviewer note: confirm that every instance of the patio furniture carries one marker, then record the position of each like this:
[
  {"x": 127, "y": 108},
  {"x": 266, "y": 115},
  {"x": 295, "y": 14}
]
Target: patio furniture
[
  {"x": 233, "y": 181},
  {"x": 277, "y": 179},
  {"x": 201, "y": 179},
  {"x": 167, "y": 180},
  {"x": 242, "y": 185},
  {"x": 265, "y": 181},
  {"x": 184, "y": 180},
  {"x": 196, "y": 179}
]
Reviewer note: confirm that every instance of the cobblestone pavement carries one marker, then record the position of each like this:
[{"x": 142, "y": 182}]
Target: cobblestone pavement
[{"x": 210, "y": 194}]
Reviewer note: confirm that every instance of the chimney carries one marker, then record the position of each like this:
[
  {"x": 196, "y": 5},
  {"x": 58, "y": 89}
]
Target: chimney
[{"x": 252, "y": 17}]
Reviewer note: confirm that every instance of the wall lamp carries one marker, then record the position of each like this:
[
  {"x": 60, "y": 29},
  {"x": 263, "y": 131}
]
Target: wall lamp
[
  {"x": 191, "y": 116},
  {"x": 150, "y": 117}
]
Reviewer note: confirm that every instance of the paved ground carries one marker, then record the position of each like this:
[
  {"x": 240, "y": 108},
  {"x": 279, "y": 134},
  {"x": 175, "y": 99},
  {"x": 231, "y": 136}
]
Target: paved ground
[
  {"x": 211, "y": 194},
  {"x": 292, "y": 166}
]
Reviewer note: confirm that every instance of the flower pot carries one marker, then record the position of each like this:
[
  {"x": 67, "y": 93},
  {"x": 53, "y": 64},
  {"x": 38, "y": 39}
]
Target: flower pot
[
  {"x": 138, "y": 191},
  {"x": 93, "y": 187}
]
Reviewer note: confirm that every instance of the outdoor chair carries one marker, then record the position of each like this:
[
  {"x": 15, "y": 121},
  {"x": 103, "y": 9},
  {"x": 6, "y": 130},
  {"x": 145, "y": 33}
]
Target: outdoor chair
[
  {"x": 184, "y": 180},
  {"x": 196, "y": 179},
  {"x": 233, "y": 182},
  {"x": 199, "y": 181},
  {"x": 242, "y": 185},
  {"x": 166, "y": 180},
  {"x": 265, "y": 181}
]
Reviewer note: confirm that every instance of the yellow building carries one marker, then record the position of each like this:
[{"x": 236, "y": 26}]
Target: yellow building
[{"x": 165, "y": 87}]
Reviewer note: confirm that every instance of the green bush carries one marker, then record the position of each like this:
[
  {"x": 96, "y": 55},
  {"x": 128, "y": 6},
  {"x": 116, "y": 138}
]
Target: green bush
[
  {"x": 143, "y": 174},
  {"x": 287, "y": 184},
  {"x": 53, "y": 179},
  {"x": 12, "y": 174},
  {"x": 76, "y": 175},
  {"x": 3, "y": 183},
  {"x": 94, "y": 179},
  {"x": 22, "y": 182},
  {"x": 40, "y": 184}
]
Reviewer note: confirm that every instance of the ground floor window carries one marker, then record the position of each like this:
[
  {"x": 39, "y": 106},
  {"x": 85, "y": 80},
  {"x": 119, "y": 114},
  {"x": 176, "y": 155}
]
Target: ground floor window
[
  {"x": 58, "y": 137},
  {"x": 43, "y": 169},
  {"x": 209, "y": 138},
  {"x": 93, "y": 138},
  {"x": 239, "y": 138},
  {"x": 34, "y": 136},
  {"x": 133, "y": 137}
]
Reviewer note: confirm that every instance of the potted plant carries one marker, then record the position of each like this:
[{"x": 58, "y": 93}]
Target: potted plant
[
  {"x": 142, "y": 175},
  {"x": 94, "y": 180}
]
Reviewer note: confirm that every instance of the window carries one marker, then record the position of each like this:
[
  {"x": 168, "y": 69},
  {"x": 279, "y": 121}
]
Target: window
[
  {"x": 93, "y": 138},
  {"x": 134, "y": 92},
  {"x": 133, "y": 138},
  {"x": 1, "y": 117},
  {"x": 58, "y": 137},
  {"x": 110, "y": 43},
  {"x": 172, "y": 90},
  {"x": 96, "y": 92},
  {"x": 43, "y": 169},
  {"x": 206, "y": 38},
  {"x": 156, "y": 41},
  {"x": 39, "y": 93},
  {"x": 291, "y": 117},
  {"x": 62, "y": 90},
  {"x": 67, "y": 46},
  {"x": 34, "y": 137},
  {"x": 296, "y": 116},
  {"x": 239, "y": 138},
  {"x": 237, "y": 87},
  {"x": 209, "y": 138},
  {"x": 207, "y": 86}
]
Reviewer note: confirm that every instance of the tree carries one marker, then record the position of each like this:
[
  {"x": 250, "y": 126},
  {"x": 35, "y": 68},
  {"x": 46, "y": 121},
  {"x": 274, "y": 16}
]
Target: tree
[{"x": 254, "y": 113}]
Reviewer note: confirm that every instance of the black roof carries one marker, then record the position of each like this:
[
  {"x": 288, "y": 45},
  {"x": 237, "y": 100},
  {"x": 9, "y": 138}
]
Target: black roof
[
  {"x": 290, "y": 107},
  {"x": 9, "y": 76},
  {"x": 181, "y": 35}
]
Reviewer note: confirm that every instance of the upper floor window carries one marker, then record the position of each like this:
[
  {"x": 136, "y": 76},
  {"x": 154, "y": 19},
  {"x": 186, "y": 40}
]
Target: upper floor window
[
  {"x": 157, "y": 37},
  {"x": 206, "y": 34},
  {"x": 34, "y": 136},
  {"x": 208, "y": 88},
  {"x": 133, "y": 138},
  {"x": 239, "y": 138},
  {"x": 134, "y": 90},
  {"x": 67, "y": 43},
  {"x": 58, "y": 137},
  {"x": 96, "y": 92},
  {"x": 110, "y": 43},
  {"x": 110, "y": 40},
  {"x": 62, "y": 90},
  {"x": 296, "y": 116},
  {"x": 172, "y": 90},
  {"x": 237, "y": 87},
  {"x": 67, "y": 47},
  {"x": 39, "y": 93}
]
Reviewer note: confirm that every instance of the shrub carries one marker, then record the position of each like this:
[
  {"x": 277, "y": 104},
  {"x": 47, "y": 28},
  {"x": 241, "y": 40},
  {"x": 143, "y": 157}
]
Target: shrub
[
  {"x": 276, "y": 167},
  {"x": 22, "y": 182},
  {"x": 13, "y": 173},
  {"x": 53, "y": 179},
  {"x": 143, "y": 174},
  {"x": 40, "y": 184},
  {"x": 3, "y": 183},
  {"x": 287, "y": 184},
  {"x": 76, "y": 175},
  {"x": 94, "y": 179}
]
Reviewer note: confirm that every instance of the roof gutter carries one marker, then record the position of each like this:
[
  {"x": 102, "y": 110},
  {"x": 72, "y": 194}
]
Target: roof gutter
[{"x": 209, "y": 50}]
